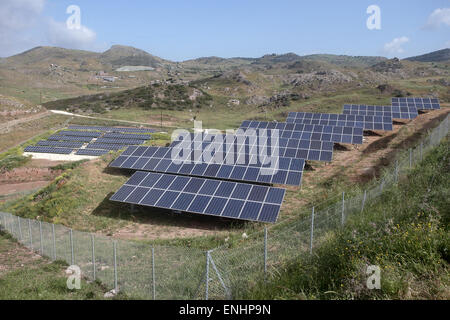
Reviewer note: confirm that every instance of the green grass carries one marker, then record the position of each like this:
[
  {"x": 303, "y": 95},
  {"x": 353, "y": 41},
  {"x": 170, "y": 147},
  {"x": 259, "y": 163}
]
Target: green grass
[
  {"x": 39, "y": 279},
  {"x": 405, "y": 233}
]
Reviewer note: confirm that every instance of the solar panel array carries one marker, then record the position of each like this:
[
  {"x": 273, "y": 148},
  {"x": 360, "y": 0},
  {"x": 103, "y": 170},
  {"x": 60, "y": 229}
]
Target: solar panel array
[
  {"x": 92, "y": 134},
  {"x": 112, "y": 129},
  {"x": 343, "y": 120},
  {"x": 64, "y": 144},
  {"x": 209, "y": 186},
  {"x": 203, "y": 196},
  {"x": 105, "y": 146},
  {"x": 57, "y": 137},
  {"x": 43, "y": 149},
  {"x": 252, "y": 144},
  {"x": 94, "y": 143},
  {"x": 129, "y": 142},
  {"x": 159, "y": 159},
  {"x": 396, "y": 112},
  {"x": 91, "y": 152},
  {"x": 418, "y": 103},
  {"x": 126, "y": 136},
  {"x": 336, "y": 134}
]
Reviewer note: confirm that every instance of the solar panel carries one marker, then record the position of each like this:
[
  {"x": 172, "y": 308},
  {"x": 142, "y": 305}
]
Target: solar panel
[
  {"x": 252, "y": 169},
  {"x": 64, "y": 144},
  {"x": 246, "y": 145},
  {"x": 80, "y": 133},
  {"x": 57, "y": 137},
  {"x": 120, "y": 141},
  {"x": 202, "y": 196},
  {"x": 91, "y": 152},
  {"x": 343, "y": 120},
  {"x": 104, "y": 146},
  {"x": 336, "y": 134},
  {"x": 43, "y": 149},
  {"x": 419, "y": 103},
  {"x": 127, "y": 136},
  {"x": 396, "y": 112},
  {"x": 112, "y": 129}
]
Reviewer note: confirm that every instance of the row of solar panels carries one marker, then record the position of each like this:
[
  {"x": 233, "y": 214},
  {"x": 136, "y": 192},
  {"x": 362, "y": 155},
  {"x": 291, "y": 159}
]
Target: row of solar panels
[
  {"x": 112, "y": 129},
  {"x": 68, "y": 141}
]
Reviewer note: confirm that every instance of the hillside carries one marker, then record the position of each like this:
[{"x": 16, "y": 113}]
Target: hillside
[
  {"x": 405, "y": 233},
  {"x": 119, "y": 56},
  {"x": 435, "y": 56},
  {"x": 47, "y": 74}
]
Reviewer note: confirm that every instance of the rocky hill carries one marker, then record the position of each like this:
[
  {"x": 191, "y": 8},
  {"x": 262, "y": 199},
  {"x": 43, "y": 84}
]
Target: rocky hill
[{"x": 435, "y": 56}]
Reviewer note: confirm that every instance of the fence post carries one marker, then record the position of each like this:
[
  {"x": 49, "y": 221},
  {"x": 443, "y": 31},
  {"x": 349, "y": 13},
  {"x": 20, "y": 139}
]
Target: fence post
[
  {"x": 54, "y": 242},
  {"x": 115, "y": 265},
  {"x": 93, "y": 256},
  {"x": 364, "y": 200},
  {"x": 343, "y": 209},
  {"x": 31, "y": 235},
  {"x": 20, "y": 229},
  {"x": 312, "y": 232},
  {"x": 396, "y": 171},
  {"x": 153, "y": 274},
  {"x": 71, "y": 247},
  {"x": 421, "y": 151},
  {"x": 265, "y": 251},
  {"x": 40, "y": 238},
  {"x": 207, "y": 276},
  {"x": 410, "y": 158}
]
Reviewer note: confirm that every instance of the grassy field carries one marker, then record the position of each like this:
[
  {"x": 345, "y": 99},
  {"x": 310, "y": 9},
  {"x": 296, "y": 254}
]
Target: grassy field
[
  {"x": 405, "y": 233},
  {"x": 26, "y": 276}
]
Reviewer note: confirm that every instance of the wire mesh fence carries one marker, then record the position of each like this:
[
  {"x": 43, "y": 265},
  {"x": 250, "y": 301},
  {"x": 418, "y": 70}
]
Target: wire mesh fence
[{"x": 170, "y": 272}]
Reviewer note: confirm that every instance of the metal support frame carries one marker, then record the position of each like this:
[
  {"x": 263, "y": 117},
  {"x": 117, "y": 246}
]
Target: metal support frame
[
  {"x": 20, "y": 229},
  {"x": 72, "y": 258},
  {"x": 94, "y": 276},
  {"x": 410, "y": 158},
  {"x": 40, "y": 238},
  {"x": 265, "y": 251},
  {"x": 312, "y": 232},
  {"x": 54, "y": 242},
  {"x": 153, "y": 274},
  {"x": 207, "y": 276},
  {"x": 30, "y": 233},
  {"x": 115, "y": 265},
  {"x": 364, "y": 200}
]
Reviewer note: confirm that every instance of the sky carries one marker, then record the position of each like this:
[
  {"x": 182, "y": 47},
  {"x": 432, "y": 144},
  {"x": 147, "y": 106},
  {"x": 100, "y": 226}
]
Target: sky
[{"x": 182, "y": 30}]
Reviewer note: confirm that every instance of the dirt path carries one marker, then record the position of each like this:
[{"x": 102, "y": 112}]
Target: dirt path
[{"x": 7, "y": 126}]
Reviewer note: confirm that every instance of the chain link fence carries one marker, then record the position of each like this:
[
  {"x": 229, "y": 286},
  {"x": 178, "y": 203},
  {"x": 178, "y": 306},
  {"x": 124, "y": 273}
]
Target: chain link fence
[{"x": 169, "y": 272}]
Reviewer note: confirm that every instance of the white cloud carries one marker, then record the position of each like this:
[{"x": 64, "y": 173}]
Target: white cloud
[
  {"x": 23, "y": 26},
  {"x": 61, "y": 36},
  {"x": 17, "y": 17},
  {"x": 437, "y": 18},
  {"x": 395, "y": 46}
]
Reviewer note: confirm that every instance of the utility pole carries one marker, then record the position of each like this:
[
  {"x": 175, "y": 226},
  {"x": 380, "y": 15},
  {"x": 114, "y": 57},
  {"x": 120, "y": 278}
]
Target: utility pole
[{"x": 161, "y": 119}]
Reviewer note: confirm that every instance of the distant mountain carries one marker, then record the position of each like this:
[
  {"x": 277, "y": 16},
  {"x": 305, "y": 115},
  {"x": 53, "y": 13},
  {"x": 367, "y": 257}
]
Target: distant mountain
[
  {"x": 119, "y": 56},
  {"x": 38, "y": 55},
  {"x": 347, "y": 61},
  {"x": 435, "y": 56}
]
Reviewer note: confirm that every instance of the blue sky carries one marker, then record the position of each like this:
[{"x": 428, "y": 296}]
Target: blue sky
[{"x": 180, "y": 30}]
